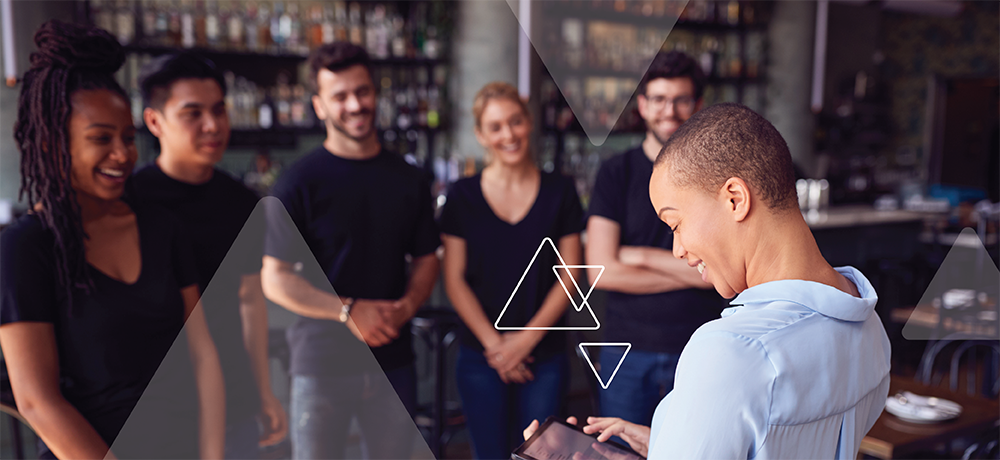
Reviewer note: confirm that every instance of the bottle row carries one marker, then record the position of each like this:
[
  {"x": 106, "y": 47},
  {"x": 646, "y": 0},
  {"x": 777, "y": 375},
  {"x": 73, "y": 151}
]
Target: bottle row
[
  {"x": 601, "y": 45},
  {"x": 724, "y": 12},
  {"x": 408, "y": 98},
  {"x": 387, "y": 30}
]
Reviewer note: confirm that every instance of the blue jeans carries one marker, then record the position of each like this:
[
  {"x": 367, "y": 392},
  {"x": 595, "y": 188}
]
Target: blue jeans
[
  {"x": 322, "y": 409},
  {"x": 643, "y": 379},
  {"x": 243, "y": 439},
  {"x": 491, "y": 405}
]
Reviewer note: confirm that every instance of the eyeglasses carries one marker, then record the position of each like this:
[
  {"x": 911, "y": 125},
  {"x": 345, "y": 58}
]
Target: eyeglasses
[{"x": 683, "y": 104}]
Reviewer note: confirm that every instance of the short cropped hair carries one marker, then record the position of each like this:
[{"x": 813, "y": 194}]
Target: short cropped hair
[
  {"x": 337, "y": 56},
  {"x": 496, "y": 90},
  {"x": 159, "y": 74},
  {"x": 730, "y": 140},
  {"x": 674, "y": 64}
]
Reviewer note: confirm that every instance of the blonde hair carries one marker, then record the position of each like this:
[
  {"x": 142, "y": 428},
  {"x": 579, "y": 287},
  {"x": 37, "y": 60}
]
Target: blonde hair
[{"x": 496, "y": 90}]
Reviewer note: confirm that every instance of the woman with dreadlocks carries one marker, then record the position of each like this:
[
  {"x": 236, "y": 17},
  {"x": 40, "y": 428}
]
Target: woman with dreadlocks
[{"x": 95, "y": 288}]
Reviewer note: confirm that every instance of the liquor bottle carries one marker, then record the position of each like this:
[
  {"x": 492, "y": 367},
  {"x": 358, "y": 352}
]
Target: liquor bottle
[
  {"x": 733, "y": 13},
  {"x": 125, "y": 23},
  {"x": 200, "y": 35},
  {"x": 162, "y": 25},
  {"x": 265, "y": 113},
  {"x": 174, "y": 26},
  {"x": 386, "y": 107},
  {"x": 212, "y": 28},
  {"x": 264, "y": 40},
  {"x": 316, "y": 27},
  {"x": 295, "y": 35},
  {"x": 421, "y": 97},
  {"x": 328, "y": 27},
  {"x": 252, "y": 36},
  {"x": 103, "y": 13},
  {"x": 283, "y": 104},
  {"x": 187, "y": 25},
  {"x": 235, "y": 29},
  {"x": 397, "y": 36},
  {"x": 357, "y": 30},
  {"x": 298, "y": 106},
  {"x": 148, "y": 22},
  {"x": 277, "y": 37},
  {"x": 340, "y": 13}
]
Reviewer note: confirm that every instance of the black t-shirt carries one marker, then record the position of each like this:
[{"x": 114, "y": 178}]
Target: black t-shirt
[
  {"x": 498, "y": 253},
  {"x": 661, "y": 322},
  {"x": 112, "y": 341},
  {"x": 359, "y": 219},
  {"x": 213, "y": 215}
]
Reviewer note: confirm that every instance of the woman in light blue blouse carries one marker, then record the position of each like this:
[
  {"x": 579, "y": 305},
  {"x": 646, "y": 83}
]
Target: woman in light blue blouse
[{"x": 798, "y": 367}]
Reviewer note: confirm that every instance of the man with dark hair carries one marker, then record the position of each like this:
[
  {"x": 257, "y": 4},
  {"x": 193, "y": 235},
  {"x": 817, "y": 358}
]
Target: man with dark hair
[
  {"x": 186, "y": 111},
  {"x": 655, "y": 302},
  {"x": 361, "y": 212}
]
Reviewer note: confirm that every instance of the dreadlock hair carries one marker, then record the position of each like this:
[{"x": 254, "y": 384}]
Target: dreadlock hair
[{"x": 69, "y": 58}]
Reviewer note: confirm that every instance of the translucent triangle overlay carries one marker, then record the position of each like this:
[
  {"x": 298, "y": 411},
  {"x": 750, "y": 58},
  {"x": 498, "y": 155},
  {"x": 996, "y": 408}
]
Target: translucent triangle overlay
[
  {"x": 967, "y": 277},
  {"x": 567, "y": 40},
  {"x": 586, "y": 355},
  {"x": 174, "y": 378},
  {"x": 578, "y": 307}
]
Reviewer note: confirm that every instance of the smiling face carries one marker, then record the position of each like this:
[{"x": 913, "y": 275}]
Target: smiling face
[
  {"x": 666, "y": 104},
  {"x": 345, "y": 100},
  {"x": 505, "y": 130},
  {"x": 193, "y": 125},
  {"x": 703, "y": 229},
  {"x": 101, "y": 143}
]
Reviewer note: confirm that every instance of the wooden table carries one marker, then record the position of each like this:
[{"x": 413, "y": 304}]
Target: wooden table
[{"x": 892, "y": 437}]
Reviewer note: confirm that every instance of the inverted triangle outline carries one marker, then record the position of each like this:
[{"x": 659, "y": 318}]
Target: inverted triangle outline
[
  {"x": 987, "y": 276},
  {"x": 555, "y": 268},
  {"x": 628, "y": 347},
  {"x": 597, "y": 134}
]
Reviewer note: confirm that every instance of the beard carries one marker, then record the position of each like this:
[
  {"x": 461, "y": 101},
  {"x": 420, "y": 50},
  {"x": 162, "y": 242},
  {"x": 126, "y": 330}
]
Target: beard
[
  {"x": 339, "y": 125},
  {"x": 660, "y": 139}
]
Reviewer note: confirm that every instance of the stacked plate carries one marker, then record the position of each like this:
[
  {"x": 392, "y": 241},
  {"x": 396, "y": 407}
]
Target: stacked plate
[{"x": 921, "y": 409}]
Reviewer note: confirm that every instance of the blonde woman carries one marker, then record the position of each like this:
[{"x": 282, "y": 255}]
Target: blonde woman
[{"x": 492, "y": 226}]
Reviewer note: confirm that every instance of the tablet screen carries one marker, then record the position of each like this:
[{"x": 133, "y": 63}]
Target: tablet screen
[{"x": 559, "y": 442}]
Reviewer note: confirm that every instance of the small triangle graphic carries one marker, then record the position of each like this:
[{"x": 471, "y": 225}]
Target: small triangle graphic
[
  {"x": 966, "y": 277},
  {"x": 586, "y": 355},
  {"x": 569, "y": 34},
  {"x": 555, "y": 268}
]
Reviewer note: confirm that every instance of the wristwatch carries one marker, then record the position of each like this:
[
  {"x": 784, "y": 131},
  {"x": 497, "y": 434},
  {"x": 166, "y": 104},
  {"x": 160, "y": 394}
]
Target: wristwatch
[{"x": 345, "y": 311}]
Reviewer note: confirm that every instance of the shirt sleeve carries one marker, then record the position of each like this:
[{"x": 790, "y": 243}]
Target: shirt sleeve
[
  {"x": 283, "y": 214},
  {"x": 451, "y": 213},
  {"x": 426, "y": 236},
  {"x": 719, "y": 406},
  {"x": 28, "y": 287},
  {"x": 607, "y": 199},
  {"x": 570, "y": 210}
]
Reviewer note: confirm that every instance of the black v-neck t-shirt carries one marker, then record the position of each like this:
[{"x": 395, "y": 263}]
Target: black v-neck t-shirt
[
  {"x": 350, "y": 224},
  {"x": 498, "y": 253},
  {"x": 661, "y": 322},
  {"x": 227, "y": 244},
  {"x": 113, "y": 341}
]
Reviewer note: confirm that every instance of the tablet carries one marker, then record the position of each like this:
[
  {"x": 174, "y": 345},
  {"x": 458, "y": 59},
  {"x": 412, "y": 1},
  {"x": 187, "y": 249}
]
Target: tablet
[{"x": 557, "y": 440}]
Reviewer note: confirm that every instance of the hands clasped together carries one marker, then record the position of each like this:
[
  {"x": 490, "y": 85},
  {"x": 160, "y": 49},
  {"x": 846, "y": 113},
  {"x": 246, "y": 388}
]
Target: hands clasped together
[
  {"x": 637, "y": 436},
  {"x": 377, "y": 322},
  {"x": 509, "y": 354}
]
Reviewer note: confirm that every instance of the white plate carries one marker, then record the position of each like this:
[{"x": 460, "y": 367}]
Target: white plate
[{"x": 921, "y": 409}]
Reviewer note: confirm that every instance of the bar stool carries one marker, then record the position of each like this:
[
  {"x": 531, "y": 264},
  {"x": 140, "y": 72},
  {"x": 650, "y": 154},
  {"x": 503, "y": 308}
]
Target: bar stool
[{"x": 438, "y": 329}]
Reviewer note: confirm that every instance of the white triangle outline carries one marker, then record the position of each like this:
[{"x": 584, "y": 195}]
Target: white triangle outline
[
  {"x": 627, "y": 345},
  {"x": 555, "y": 268}
]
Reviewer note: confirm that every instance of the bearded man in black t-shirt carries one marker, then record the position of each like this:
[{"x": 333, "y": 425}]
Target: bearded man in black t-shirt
[
  {"x": 655, "y": 301},
  {"x": 346, "y": 218}
]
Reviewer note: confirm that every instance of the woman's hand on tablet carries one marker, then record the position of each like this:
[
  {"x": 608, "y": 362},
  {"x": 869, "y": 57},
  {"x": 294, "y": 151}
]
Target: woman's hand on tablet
[
  {"x": 530, "y": 430},
  {"x": 637, "y": 436}
]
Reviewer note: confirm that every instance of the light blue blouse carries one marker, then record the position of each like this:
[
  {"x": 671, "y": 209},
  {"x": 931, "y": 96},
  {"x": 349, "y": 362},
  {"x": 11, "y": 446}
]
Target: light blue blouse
[{"x": 795, "y": 369}]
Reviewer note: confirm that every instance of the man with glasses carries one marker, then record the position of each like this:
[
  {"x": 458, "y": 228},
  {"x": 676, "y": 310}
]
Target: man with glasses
[{"x": 655, "y": 301}]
